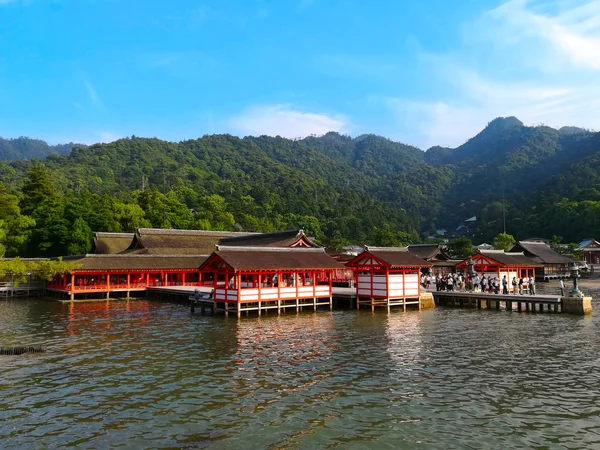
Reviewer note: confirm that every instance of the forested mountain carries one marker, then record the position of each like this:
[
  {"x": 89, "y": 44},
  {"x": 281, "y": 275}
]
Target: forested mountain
[
  {"x": 26, "y": 148},
  {"x": 366, "y": 189}
]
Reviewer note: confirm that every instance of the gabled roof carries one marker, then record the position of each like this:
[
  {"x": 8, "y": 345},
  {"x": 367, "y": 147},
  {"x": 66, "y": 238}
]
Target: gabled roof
[
  {"x": 156, "y": 241},
  {"x": 111, "y": 243},
  {"x": 271, "y": 258},
  {"x": 502, "y": 258},
  {"x": 541, "y": 251},
  {"x": 393, "y": 257},
  {"x": 428, "y": 252},
  {"x": 289, "y": 238},
  {"x": 510, "y": 258},
  {"x": 136, "y": 262},
  {"x": 592, "y": 243}
]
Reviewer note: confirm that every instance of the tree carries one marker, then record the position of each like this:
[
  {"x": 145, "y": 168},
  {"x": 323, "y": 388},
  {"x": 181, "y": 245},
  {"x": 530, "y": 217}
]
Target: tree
[
  {"x": 80, "y": 241},
  {"x": 461, "y": 248},
  {"x": 503, "y": 241},
  {"x": 2, "y": 238},
  {"x": 38, "y": 188},
  {"x": 17, "y": 226}
]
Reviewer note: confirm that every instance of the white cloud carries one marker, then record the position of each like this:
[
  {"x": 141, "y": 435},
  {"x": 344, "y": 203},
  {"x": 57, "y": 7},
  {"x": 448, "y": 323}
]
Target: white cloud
[
  {"x": 537, "y": 61},
  {"x": 572, "y": 31},
  {"x": 107, "y": 136},
  {"x": 281, "y": 120}
]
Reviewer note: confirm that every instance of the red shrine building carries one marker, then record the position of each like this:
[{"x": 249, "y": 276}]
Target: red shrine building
[
  {"x": 124, "y": 263},
  {"x": 591, "y": 251},
  {"x": 387, "y": 276},
  {"x": 498, "y": 263},
  {"x": 261, "y": 278}
]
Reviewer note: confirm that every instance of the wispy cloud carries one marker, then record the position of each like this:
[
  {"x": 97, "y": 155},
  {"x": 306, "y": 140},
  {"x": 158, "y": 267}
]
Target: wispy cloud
[
  {"x": 282, "y": 120},
  {"x": 541, "y": 63},
  {"x": 95, "y": 99}
]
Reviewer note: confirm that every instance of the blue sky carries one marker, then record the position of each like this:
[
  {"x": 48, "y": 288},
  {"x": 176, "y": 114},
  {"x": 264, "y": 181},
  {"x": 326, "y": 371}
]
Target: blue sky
[{"x": 424, "y": 72}]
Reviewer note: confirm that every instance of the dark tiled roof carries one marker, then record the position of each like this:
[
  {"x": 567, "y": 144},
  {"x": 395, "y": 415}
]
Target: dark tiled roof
[
  {"x": 271, "y": 258},
  {"x": 156, "y": 241},
  {"x": 111, "y": 243},
  {"x": 511, "y": 258},
  {"x": 136, "y": 262},
  {"x": 395, "y": 257},
  {"x": 287, "y": 238},
  {"x": 427, "y": 251},
  {"x": 543, "y": 252}
]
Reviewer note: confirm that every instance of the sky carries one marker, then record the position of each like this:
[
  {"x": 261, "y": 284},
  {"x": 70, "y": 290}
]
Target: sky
[{"x": 422, "y": 72}]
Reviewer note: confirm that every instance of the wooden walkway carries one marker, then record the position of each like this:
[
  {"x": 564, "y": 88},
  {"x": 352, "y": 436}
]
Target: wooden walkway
[{"x": 508, "y": 302}]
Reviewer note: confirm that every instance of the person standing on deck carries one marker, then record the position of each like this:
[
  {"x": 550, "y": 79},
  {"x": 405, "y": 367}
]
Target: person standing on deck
[
  {"x": 450, "y": 283},
  {"x": 562, "y": 288},
  {"x": 483, "y": 283},
  {"x": 476, "y": 281},
  {"x": 514, "y": 285},
  {"x": 521, "y": 285},
  {"x": 531, "y": 285},
  {"x": 504, "y": 285}
]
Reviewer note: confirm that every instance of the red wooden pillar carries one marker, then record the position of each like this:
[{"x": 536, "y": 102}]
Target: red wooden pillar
[{"x": 183, "y": 278}]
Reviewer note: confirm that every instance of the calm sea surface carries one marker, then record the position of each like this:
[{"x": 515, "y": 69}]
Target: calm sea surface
[{"x": 147, "y": 374}]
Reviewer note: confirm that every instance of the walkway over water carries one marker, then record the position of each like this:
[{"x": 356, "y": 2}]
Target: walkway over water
[{"x": 514, "y": 302}]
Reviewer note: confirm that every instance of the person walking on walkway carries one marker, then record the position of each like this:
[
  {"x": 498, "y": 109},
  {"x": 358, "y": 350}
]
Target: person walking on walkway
[{"x": 531, "y": 285}]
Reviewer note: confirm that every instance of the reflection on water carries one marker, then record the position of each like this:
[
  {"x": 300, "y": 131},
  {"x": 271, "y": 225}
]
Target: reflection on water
[{"x": 147, "y": 374}]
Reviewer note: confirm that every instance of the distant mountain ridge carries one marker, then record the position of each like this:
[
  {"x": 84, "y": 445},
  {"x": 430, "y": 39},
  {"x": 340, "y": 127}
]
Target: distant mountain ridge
[
  {"x": 545, "y": 179},
  {"x": 24, "y": 148}
]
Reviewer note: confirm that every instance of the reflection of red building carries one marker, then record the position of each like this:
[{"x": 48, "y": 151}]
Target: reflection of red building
[{"x": 261, "y": 278}]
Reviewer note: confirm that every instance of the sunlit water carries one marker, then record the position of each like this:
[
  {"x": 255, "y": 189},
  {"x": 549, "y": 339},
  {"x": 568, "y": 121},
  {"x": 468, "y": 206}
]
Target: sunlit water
[{"x": 147, "y": 374}]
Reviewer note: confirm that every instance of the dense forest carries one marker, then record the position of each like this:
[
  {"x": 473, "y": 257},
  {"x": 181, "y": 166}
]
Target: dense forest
[{"x": 363, "y": 190}]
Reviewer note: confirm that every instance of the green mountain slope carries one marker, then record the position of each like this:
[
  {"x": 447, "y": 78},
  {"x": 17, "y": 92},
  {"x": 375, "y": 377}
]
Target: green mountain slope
[{"x": 366, "y": 189}]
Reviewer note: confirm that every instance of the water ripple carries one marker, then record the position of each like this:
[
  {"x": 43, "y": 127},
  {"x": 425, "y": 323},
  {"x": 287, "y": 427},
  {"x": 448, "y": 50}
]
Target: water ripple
[{"x": 145, "y": 374}]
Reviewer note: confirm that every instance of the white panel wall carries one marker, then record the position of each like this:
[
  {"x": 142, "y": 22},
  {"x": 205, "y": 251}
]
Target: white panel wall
[{"x": 397, "y": 286}]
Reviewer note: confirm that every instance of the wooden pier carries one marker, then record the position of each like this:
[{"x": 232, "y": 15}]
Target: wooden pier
[{"x": 511, "y": 302}]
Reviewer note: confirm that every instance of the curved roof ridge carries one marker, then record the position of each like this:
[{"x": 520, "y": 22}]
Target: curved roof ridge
[{"x": 231, "y": 248}]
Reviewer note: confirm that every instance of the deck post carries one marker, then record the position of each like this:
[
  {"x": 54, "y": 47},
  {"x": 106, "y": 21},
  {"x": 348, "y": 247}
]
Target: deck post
[
  {"x": 372, "y": 304},
  {"x": 226, "y": 309},
  {"x": 278, "y": 307},
  {"x": 330, "y": 303},
  {"x": 314, "y": 304},
  {"x": 297, "y": 307},
  {"x": 497, "y": 305},
  {"x": 239, "y": 310},
  {"x": 259, "y": 308}
]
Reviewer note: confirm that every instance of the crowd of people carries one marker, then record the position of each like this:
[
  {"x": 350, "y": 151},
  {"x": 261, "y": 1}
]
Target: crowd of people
[{"x": 479, "y": 283}]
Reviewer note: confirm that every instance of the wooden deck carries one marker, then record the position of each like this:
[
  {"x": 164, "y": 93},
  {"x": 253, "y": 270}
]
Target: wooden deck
[{"x": 508, "y": 302}]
